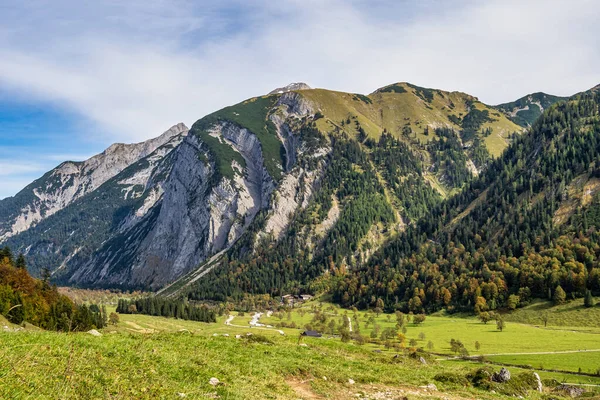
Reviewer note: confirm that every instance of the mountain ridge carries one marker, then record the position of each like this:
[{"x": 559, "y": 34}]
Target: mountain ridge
[
  {"x": 71, "y": 180},
  {"x": 247, "y": 176}
]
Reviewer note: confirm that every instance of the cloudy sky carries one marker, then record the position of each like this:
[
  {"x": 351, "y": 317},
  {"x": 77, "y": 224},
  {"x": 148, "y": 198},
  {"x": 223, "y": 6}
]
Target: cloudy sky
[{"x": 77, "y": 75}]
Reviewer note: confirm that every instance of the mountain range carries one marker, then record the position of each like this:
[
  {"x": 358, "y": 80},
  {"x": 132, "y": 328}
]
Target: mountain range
[{"x": 280, "y": 191}]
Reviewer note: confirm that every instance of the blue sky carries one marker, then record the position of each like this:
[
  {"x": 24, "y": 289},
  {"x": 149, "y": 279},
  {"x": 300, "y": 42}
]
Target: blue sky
[{"x": 77, "y": 76}]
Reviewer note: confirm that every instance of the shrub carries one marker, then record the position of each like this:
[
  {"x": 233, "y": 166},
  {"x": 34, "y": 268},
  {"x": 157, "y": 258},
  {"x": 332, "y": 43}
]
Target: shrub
[{"x": 450, "y": 377}]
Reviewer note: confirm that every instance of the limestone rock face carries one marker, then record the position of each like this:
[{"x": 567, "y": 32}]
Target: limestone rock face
[
  {"x": 290, "y": 87},
  {"x": 144, "y": 215},
  {"x": 73, "y": 180}
]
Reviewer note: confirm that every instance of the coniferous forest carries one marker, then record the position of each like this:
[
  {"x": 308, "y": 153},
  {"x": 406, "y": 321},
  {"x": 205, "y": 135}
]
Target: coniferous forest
[
  {"x": 509, "y": 243},
  {"x": 167, "y": 308}
]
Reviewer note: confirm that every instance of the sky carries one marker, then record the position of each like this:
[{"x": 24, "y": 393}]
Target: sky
[{"x": 76, "y": 76}]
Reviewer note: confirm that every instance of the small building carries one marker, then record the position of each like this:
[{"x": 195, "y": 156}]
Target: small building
[{"x": 311, "y": 334}]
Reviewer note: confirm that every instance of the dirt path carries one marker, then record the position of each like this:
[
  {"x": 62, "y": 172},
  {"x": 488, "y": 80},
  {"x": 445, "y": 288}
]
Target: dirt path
[
  {"x": 253, "y": 324},
  {"x": 302, "y": 389},
  {"x": 139, "y": 329}
]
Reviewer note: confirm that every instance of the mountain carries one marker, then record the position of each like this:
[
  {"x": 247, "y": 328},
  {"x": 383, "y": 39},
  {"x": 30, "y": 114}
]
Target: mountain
[
  {"x": 527, "y": 109},
  {"x": 71, "y": 181},
  {"x": 305, "y": 173},
  {"x": 525, "y": 228}
]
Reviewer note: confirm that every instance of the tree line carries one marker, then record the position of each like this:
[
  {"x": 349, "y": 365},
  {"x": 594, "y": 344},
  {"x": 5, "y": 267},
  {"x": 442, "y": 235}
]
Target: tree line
[{"x": 162, "y": 307}]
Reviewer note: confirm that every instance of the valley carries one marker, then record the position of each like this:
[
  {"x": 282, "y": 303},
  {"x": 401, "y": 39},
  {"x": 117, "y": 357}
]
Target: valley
[{"x": 435, "y": 240}]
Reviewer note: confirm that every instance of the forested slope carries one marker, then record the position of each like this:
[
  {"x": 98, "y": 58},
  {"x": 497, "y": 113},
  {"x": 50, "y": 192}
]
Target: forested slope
[{"x": 501, "y": 235}]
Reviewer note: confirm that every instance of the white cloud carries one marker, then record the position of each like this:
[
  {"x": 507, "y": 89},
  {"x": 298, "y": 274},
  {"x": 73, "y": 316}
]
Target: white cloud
[
  {"x": 17, "y": 168},
  {"x": 136, "y": 68}
]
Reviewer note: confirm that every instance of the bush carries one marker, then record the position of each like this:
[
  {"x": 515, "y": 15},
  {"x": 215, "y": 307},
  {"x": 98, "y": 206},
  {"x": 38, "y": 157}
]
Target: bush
[
  {"x": 258, "y": 339},
  {"x": 450, "y": 377}
]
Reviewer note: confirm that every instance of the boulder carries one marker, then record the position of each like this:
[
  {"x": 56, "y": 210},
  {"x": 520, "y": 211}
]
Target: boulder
[
  {"x": 351, "y": 381},
  {"x": 429, "y": 386},
  {"x": 538, "y": 381},
  {"x": 94, "y": 332},
  {"x": 214, "y": 381},
  {"x": 570, "y": 390},
  {"x": 502, "y": 376}
]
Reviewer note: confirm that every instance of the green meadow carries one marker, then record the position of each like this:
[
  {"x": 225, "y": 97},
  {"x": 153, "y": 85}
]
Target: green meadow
[{"x": 145, "y": 357}]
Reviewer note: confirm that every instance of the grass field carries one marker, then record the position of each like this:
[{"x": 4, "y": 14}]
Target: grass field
[
  {"x": 581, "y": 362},
  {"x": 153, "y": 357},
  {"x": 515, "y": 338},
  {"x": 173, "y": 363},
  {"x": 571, "y": 314}
]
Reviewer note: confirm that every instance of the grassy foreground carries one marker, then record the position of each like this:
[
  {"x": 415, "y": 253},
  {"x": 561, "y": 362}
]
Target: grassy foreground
[
  {"x": 154, "y": 357},
  {"x": 180, "y": 364}
]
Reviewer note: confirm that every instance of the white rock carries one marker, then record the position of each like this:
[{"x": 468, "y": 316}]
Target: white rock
[
  {"x": 351, "y": 381},
  {"x": 540, "y": 386},
  {"x": 214, "y": 381},
  {"x": 94, "y": 332}
]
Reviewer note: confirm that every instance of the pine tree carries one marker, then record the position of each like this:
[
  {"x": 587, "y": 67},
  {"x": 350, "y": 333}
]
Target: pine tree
[
  {"x": 588, "y": 301},
  {"x": 21, "y": 263}
]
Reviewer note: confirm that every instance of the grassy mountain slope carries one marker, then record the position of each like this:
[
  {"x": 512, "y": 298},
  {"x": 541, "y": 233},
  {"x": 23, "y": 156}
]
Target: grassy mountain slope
[
  {"x": 305, "y": 174},
  {"x": 406, "y": 110}
]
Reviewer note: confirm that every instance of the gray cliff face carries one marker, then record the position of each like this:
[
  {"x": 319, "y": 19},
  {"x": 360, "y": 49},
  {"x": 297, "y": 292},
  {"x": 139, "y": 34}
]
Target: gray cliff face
[
  {"x": 167, "y": 211},
  {"x": 194, "y": 219},
  {"x": 291, "y": 87},
  {"x": 197, "y": 220},
  {"x": 73, "y": 180}
]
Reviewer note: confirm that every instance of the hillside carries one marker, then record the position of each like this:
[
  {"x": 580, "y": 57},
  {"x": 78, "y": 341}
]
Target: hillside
[
  {"x": 526, "y": 228},
  {"x": 526, "y": 110},
  {"x": 35, "y": 303},
  {"x": 309, "y": 172}
]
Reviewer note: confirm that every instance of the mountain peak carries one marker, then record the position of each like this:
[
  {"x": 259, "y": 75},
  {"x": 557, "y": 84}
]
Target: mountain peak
[{"x": 291, "y": 87}]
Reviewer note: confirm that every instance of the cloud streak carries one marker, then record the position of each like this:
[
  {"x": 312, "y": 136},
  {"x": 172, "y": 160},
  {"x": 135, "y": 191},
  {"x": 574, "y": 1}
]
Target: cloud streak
[{"x": 133, "y": 70}]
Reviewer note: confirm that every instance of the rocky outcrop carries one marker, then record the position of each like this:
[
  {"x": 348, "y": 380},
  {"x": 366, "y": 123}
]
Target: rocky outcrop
[
  {"x": 195, "y": 218},
  {"x": 73, "y": 180},
  {"x": 501, "y": 376},
  {"x": 291, "y": 87}
]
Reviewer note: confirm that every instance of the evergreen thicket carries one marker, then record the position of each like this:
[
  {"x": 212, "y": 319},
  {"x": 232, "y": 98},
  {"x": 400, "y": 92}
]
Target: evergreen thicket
[{"x": 157, "y": 306}]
